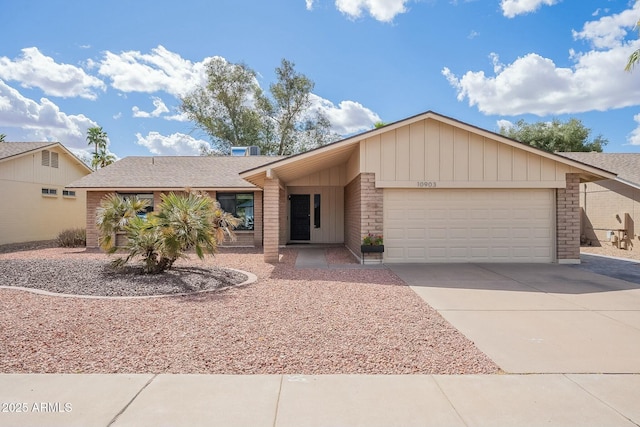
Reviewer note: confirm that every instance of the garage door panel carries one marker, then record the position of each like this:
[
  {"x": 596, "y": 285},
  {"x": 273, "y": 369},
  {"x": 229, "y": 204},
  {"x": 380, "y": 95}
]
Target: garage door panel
[{"x": 469, "y": 225}]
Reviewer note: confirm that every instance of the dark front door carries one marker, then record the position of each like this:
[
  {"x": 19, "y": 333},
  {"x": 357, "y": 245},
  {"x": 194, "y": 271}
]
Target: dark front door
[{"x": 300, "y": 217}]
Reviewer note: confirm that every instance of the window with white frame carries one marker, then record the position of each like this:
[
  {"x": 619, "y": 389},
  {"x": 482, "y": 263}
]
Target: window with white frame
[
  {"x": 49, "y": 192},
  {"x": 50, "y": 158},
  {"x": 68, "y": 193}
]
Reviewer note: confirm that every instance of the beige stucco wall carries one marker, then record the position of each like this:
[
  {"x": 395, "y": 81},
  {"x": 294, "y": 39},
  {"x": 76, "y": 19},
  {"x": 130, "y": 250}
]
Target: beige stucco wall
[
  {"x": 25, "y": 213},
  {"x": 609, "y": 205},
  {"x": 437, "y": 155},
  {"x": 331, "y": 213}
]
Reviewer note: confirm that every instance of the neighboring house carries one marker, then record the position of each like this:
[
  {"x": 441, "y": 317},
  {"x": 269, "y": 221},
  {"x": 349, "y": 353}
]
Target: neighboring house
[
  {"x": 610, "y": 208},
  {"x": 36, "y": 204},
  {"x": 439, "y": 190}
]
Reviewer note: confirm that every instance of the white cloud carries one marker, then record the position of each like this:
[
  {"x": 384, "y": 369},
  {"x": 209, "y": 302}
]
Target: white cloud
[
  {"x": 33, "y": 69},
  {"x": 42, "y": 121},
  {"x": 348, "y": 117},
  {"x": 512, "y": 8},
  {"x": 179, "y": 117},
  {"x": 381, "y": 10},
  {"x": 309, "y": 4},
  {"x": 534, "y": 84},
  {"x": 634, "y": 136},
  {"x": 609, "y": 31},
  {"x": 177, "y": 144},
  {"x": 160, "y": 109},
  {"x": 504, "y": 124},
  {"x": 160, "y": 70}
]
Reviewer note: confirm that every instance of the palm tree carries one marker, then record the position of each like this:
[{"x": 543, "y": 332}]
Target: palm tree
[
  {"x": 2, "y": 137},
  {"x": 634, "y": 58},
  {"x": 101, "y": 156},
  {"x": 184, "y": 222}
]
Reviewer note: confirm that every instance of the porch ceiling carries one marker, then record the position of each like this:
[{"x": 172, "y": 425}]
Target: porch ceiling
[{"x": 302, "y": 165}]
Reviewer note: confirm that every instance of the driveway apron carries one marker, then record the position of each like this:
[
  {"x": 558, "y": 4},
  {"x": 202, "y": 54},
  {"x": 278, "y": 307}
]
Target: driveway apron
[{"x": 536, "y": 318}]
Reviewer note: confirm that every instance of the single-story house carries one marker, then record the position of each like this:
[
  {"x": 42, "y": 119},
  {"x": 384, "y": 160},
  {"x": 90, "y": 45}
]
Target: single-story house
[
  {"x": 36, "y": 202},
  {"x": 611, "y": 207},
  {"x": 437, "y": 189}
]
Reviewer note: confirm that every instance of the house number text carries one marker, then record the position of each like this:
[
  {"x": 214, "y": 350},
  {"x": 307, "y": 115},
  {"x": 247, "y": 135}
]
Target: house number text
[{"x": 427, "y": 184}]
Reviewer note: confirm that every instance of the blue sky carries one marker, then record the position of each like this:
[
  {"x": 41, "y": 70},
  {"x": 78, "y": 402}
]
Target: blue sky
[{"x": 67, "y": 65}]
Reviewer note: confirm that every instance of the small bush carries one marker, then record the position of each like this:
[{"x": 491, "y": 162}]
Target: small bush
[{"x": 72, "y": 238}]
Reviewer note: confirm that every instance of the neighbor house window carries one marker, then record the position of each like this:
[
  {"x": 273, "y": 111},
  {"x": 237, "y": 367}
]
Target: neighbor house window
[
  {"x": 46, "y": 155},
  {"x": 68, "y": 193},
  {"x": 239, "y": 205},
  {"x": 49, "y": 158},
  {"x": 49, "y": 192},
  {"x": 54, "y": 160},
  {"x": 141, "y": 196}
]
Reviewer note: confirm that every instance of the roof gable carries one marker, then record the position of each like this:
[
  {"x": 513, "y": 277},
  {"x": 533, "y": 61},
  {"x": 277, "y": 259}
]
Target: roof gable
[
  {"x": 339, "y": 152},
  {"x": 12, "y": 149}
]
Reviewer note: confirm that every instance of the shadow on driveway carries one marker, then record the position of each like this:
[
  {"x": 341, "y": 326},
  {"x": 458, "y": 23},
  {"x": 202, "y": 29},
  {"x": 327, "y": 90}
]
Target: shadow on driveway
[{"x": 611, "y": 267}]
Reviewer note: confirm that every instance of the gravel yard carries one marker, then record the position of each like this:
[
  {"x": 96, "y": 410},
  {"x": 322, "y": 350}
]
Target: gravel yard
[{"x": 338, "y": 321}]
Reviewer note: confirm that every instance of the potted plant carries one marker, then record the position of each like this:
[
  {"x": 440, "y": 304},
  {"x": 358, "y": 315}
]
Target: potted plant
[{"x": 372, "y": 243}]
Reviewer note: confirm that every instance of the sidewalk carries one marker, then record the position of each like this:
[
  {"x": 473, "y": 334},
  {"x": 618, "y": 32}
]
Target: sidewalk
[{"x": 327, "y": 400}]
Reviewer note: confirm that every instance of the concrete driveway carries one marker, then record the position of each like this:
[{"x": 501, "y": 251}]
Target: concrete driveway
[{"x": 536, "y": 318}]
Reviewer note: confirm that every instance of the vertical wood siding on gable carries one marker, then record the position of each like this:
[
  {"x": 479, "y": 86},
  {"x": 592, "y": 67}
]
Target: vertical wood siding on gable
[{"x": 433, "y": 151}]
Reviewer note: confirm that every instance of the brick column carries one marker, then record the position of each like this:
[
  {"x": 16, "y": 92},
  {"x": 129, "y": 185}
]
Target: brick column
[
  {"x": 568, "y": 221},
  {"x": 258, "y": 225},
  {"x": 271, "y": 216},
  {"x": 371, "y": 202},
  {"x": 93, "y": 201}
]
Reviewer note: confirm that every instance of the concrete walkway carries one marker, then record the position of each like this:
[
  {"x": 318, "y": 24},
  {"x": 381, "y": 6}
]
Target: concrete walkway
[
  {"x": 315, "y": 258},
  {"x": 330, "y": 400}
]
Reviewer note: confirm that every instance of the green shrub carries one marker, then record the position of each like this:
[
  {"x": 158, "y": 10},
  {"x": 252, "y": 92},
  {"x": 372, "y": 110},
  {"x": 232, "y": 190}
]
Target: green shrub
[
  {"x": 184, "y": 222},
  {"x": 72, "y": 238}
]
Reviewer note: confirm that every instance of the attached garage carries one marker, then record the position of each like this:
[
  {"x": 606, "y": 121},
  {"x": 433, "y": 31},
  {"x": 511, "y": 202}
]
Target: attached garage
[
  {"x": 438, "y": 190},
  {"x": 469, "y": 225}
]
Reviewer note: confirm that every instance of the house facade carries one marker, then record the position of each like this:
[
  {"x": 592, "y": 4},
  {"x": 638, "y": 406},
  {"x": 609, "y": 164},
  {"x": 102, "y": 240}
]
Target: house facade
[
  {"x": 437, "y": 189},
  {"x": 610, "y": 208},
  {"x": 37, "y": 204}
]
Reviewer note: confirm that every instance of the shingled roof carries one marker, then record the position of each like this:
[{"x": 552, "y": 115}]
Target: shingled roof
[
  {"x": 10, "y": 149},
  {"x": 626, "y": 165},
  {"x": 174, "y": 172}
]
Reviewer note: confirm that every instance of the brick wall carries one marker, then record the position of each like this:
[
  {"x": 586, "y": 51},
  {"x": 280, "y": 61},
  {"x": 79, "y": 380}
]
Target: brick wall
[
  {"x": 605, "y": 205},
  {"x": 271, "y": 206},
  {"x": 352, "y": 215},
  {"x": 257, "y": 219},
  {"x": 568, "y": 220},
  {"x": 93, "y": 201}
]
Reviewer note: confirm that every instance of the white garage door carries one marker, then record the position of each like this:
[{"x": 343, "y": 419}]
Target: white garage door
[{"x": 469, "y": 225}]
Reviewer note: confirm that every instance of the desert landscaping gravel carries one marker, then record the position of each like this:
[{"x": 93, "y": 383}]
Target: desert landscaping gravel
[{"x": 338, "y": 321}]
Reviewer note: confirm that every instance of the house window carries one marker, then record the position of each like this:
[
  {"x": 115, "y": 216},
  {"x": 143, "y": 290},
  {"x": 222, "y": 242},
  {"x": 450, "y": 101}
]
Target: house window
[
  {"x": 239, "y": 205},
  {"x": 49, "y": 192},
  {"x": 68, "y": 193},
  {"x": 316, "y": 210},
  {"x": 141, "y": 196}
]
